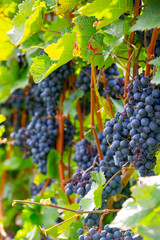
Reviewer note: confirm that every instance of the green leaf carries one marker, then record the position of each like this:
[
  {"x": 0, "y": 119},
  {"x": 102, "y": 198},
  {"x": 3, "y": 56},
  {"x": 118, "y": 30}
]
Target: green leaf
[
  {"x": 106, "y": 9},
  {"x": 156, "y": 78},
  {"x": 69, "y": 105},
  {"x": 118, "y": 105},
  {"x": 98, "y": 177},
  {"x": 31, "y": 235},
  {"x": 56, "y": 26},
  {"x": 60, "y": 52},
  {"x": 115, "y": 33},
  {"x": 88, "y": 202},
  {"x": 2, "y": 130},
  {"x": 130, "y": 215},
  {"x": 84, "y": 31},
  {"x": 149, "y": 234},
  {"x": 39, "y": 178},
  {"x": 65, "y": 5},
  {"x": 29, "y": 229},
  {"x": 155, "y": 62},
  {"x": 49, "y": 216},
  {"x": 150, "y": 16},
  {"x": 12, "y": 79},
  {"x": 66, "y": 216},
  {"x": 28, "y": 21},
  {"x": 53, "y": 159},
  {"x": 16, "y": 163},
  {"x": 143, "y": 210},
  {"x": 51, "y": 3},
  {"x": 40, "y": 66},
  {"x": 97, "y": 194}
]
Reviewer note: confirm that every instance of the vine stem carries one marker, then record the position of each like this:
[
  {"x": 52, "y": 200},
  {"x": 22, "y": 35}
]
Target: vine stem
[
  {"x": 117, "y": 174},
  {"x": 60, "y": 139},
  {"x": 44, "y": 187},
  {"x": 63, "y": 208},
  {"x": 98, "y": 114},
  {"x": 92, "y": 111},
  {"x": 101, "y": 219},
  {"x": 107, "y": 96},
  {"x": 150, "y": 52},
  {"x": 57, "y": 225},
  {"x": 130, "y": 51}
]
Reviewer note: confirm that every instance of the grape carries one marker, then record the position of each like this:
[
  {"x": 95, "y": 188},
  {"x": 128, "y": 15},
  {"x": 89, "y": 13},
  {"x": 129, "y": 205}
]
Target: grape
[{"x": 80, "y": 231}]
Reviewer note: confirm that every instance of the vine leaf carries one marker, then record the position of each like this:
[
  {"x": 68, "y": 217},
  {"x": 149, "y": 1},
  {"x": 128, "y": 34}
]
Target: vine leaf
[
  {"x": 151, "y": 12},
  {"x": 69, "y": 105},
  {"x": 65, "y": 5},
  {"x": 66, "y": 216},
  {"x": 58, "y": 54},
  {"x": 143, "y": 210},
  {"x": 57, "y": 25},
  {"x": 53, "y": 159},
  {"x": 156, "y": 78},
  {"x": 89, "y": 202},
  {"x": 11, "y": 79},
  {"x": 6, "y": 47},
  {"x": 84, "y": 31},
  {"x": 51, "y": 3},
  {"x": 28, "y": 21},
  {"x": 40, "y": 66},
  {"x": 106, "y": 10}
]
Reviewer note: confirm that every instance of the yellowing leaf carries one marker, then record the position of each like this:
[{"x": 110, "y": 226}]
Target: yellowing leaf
[
  {"x": 6, "y": 47},
  {"x": 2, "y": 118},
  {"x": 66, "y": 5},
  {"x": 58, "y": 54}
]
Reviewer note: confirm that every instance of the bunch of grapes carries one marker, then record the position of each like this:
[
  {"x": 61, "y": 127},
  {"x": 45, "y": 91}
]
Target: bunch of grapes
[
  {"x": 95, "y": 233},
  {"x": 134, "y": 135},
  {"x": 33, "y": 101},
  {"x": 52, "y": 86},
  {"x": 37, "y": 140},
  {"x": 84, "y": 154},
  {"x": 69, "y": 132}
]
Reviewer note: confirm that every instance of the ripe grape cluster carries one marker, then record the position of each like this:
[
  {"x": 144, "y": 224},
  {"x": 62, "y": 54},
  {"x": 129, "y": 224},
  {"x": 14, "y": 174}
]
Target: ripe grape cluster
[
  {"x": 40, "y": 135},
  {"x": 134, "y": 134},
  {"x": 95, "y": 233},
  {"x": 69, "y": 131},
  {"x": 52, "y": 86},
  {"x": 84, "y": 154},
  {"x": 37, "y": 139},
  {"x": 33, "y": 100}
]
